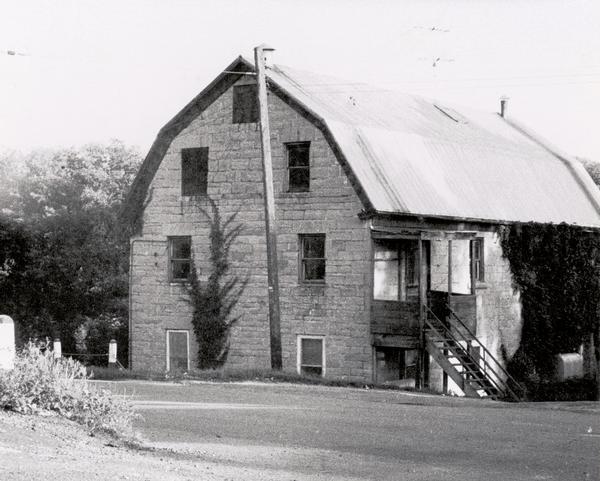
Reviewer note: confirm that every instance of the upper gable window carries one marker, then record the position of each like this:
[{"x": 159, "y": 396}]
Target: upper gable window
[
  {"x": 298, "y": 166},
  {"x": 245, "y": 104},
  {"x": 194, "y": 171}
]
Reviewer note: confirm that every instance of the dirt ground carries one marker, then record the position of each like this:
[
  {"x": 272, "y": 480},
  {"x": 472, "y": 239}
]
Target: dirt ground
[{"x": 43, "y": 448}]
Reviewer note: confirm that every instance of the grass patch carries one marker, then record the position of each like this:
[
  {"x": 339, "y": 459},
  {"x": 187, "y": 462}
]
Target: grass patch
[
  {"x": 240, "y": 375},
  {"x": 40, "y": 384}
]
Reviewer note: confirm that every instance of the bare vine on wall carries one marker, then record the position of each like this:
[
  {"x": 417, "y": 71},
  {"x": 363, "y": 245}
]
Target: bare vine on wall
[{"x": 213, "y": 300}]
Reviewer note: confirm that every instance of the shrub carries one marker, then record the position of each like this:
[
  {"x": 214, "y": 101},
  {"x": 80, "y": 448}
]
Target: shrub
[
  {"x": 39, "y": 383},
  {"x": 94, "y": 335}
]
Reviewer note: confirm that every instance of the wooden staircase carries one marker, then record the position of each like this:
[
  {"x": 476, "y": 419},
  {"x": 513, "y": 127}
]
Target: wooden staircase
[{"x": 466, "y": 360}]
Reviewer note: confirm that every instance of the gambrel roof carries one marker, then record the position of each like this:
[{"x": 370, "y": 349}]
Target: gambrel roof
[{"x": 409, "y": 155}]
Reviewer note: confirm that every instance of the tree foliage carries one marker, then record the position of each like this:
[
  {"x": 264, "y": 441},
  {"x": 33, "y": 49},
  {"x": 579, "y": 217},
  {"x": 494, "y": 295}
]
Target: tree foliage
[
  {"x": 213, "y": 300},
  {"x": 593, "y": 168},
  {"x": 556, "y": 269},
  {"x": 63, "y": 257}
]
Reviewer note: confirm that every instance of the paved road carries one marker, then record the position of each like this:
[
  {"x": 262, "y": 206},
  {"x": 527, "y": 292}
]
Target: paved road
[{"x": 313, "y": 432}]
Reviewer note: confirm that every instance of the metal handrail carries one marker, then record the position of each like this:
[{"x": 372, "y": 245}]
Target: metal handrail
[
  {"x": 493, "y": 380},
  {"x": 488, "y": 353}
]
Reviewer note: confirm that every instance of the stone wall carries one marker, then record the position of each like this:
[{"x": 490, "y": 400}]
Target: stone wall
[{"x": 337, "y": 310}]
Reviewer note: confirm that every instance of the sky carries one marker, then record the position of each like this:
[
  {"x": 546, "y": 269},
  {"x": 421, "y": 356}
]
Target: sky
[{"x": 90, "y": 71}]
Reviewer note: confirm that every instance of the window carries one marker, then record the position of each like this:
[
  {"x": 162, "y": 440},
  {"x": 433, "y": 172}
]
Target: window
[
  {"x": 180, "y": 258},
  {"x": 478, "y": 259},
  {"x": 178, "y": 350},
  {"x": 298, "y": 166},
  {"x": 312, "y": 258},
  {"x": 395, "y": 270},
  {"x": 311, "y": 355},
  {"x": 245, "y": 104},
  {"x": 385, "y": 272},
  {"x": 194, "y": 170}
]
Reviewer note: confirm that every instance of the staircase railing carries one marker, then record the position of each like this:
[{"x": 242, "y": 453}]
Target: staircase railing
[
  {"x": 490, "y": 363},
  {"x": 510, "y": 380}
]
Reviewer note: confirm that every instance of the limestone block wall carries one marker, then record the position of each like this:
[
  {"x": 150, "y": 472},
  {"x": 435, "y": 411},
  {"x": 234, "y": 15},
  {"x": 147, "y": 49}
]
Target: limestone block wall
[
  {"x": 499, "y": 321},
  {"x": 337, "y": 310}
]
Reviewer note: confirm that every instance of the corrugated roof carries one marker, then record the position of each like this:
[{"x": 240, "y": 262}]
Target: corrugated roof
[{"x": 414, "y": 156}]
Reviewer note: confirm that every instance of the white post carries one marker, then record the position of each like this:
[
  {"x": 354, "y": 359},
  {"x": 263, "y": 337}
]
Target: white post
[
  {"x": 7, "y": 343},
  {"x": 57, "y": 349},
  {"x": 112, "y": 353}
]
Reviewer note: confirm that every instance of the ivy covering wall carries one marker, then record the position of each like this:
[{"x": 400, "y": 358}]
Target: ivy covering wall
[
  {"x": 557, "y": 270},
  {"x": 213, "y": 300}
]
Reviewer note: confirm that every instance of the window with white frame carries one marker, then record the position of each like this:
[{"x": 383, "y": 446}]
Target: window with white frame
[
  {"x": 178, "y": 350},
  {"x": 311, "y": 355}
]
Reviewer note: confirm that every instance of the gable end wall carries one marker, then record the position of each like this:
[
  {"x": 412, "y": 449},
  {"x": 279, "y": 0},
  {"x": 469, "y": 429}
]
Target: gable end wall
[{"x": 338, "y": 310}]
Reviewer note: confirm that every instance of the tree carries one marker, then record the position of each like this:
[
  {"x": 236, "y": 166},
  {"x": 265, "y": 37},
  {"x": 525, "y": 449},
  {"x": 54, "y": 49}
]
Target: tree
[
  {"x": 593, "y": 168},
  {"x": 75, "y": 265}
]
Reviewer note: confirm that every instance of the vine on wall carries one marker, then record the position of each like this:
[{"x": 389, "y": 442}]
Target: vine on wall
[
  {"x": 557, "y": 270},
  {"x": 214, "y": 300}
]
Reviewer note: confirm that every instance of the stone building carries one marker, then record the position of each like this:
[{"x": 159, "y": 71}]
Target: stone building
[{"x": 388, "y": 208}]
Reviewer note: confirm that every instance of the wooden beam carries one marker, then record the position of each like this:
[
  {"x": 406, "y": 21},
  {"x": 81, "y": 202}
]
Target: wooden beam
[
  {"x": 473, "y": 274},
  {"x": 449, "y": 271},
  {"x": 271, "y": 229},
  {"x": 420, "y": 377}
]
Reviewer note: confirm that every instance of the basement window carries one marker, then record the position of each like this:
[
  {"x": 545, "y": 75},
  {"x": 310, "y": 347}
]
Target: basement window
[
  {"x": 312, "y": 258},
  {"x": 245, "y": 104},
  {"x": 180, "y": 258},
  {"x": 298, "y": 154},
  {"x": 397, "y": 366},
  {"x": 178, "y": 350},
  {"x": 194, "y": 171},
  {"x": 311, "y": 355}
]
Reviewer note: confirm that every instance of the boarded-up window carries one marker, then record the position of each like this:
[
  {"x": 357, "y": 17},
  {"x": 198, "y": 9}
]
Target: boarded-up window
[
  {"x": 180, "y": 258},
  {"x": 311, "y": 359},
  {"x": 298, "y": 166},
  {"x": 245, "y": 104},
  {"x": 312, "y": 257},
  {"x": 177, "y": 350},
  {"x": 194, "y": 171}
]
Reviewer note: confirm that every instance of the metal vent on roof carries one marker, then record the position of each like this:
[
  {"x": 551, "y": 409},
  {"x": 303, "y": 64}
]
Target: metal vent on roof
[{"x": 453, "y": 114}]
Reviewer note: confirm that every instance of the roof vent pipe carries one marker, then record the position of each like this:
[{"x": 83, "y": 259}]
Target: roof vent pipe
[{"x": 503, "y": 106}]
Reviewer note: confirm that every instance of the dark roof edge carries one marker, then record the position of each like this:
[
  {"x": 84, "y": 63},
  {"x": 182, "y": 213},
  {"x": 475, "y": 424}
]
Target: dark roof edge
[
  {"x": 137, "y": 192},
  {"x": 575, "y": 167},
  {"x": 450, "y": 218},
  {"x": 321, "y": 124}
]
